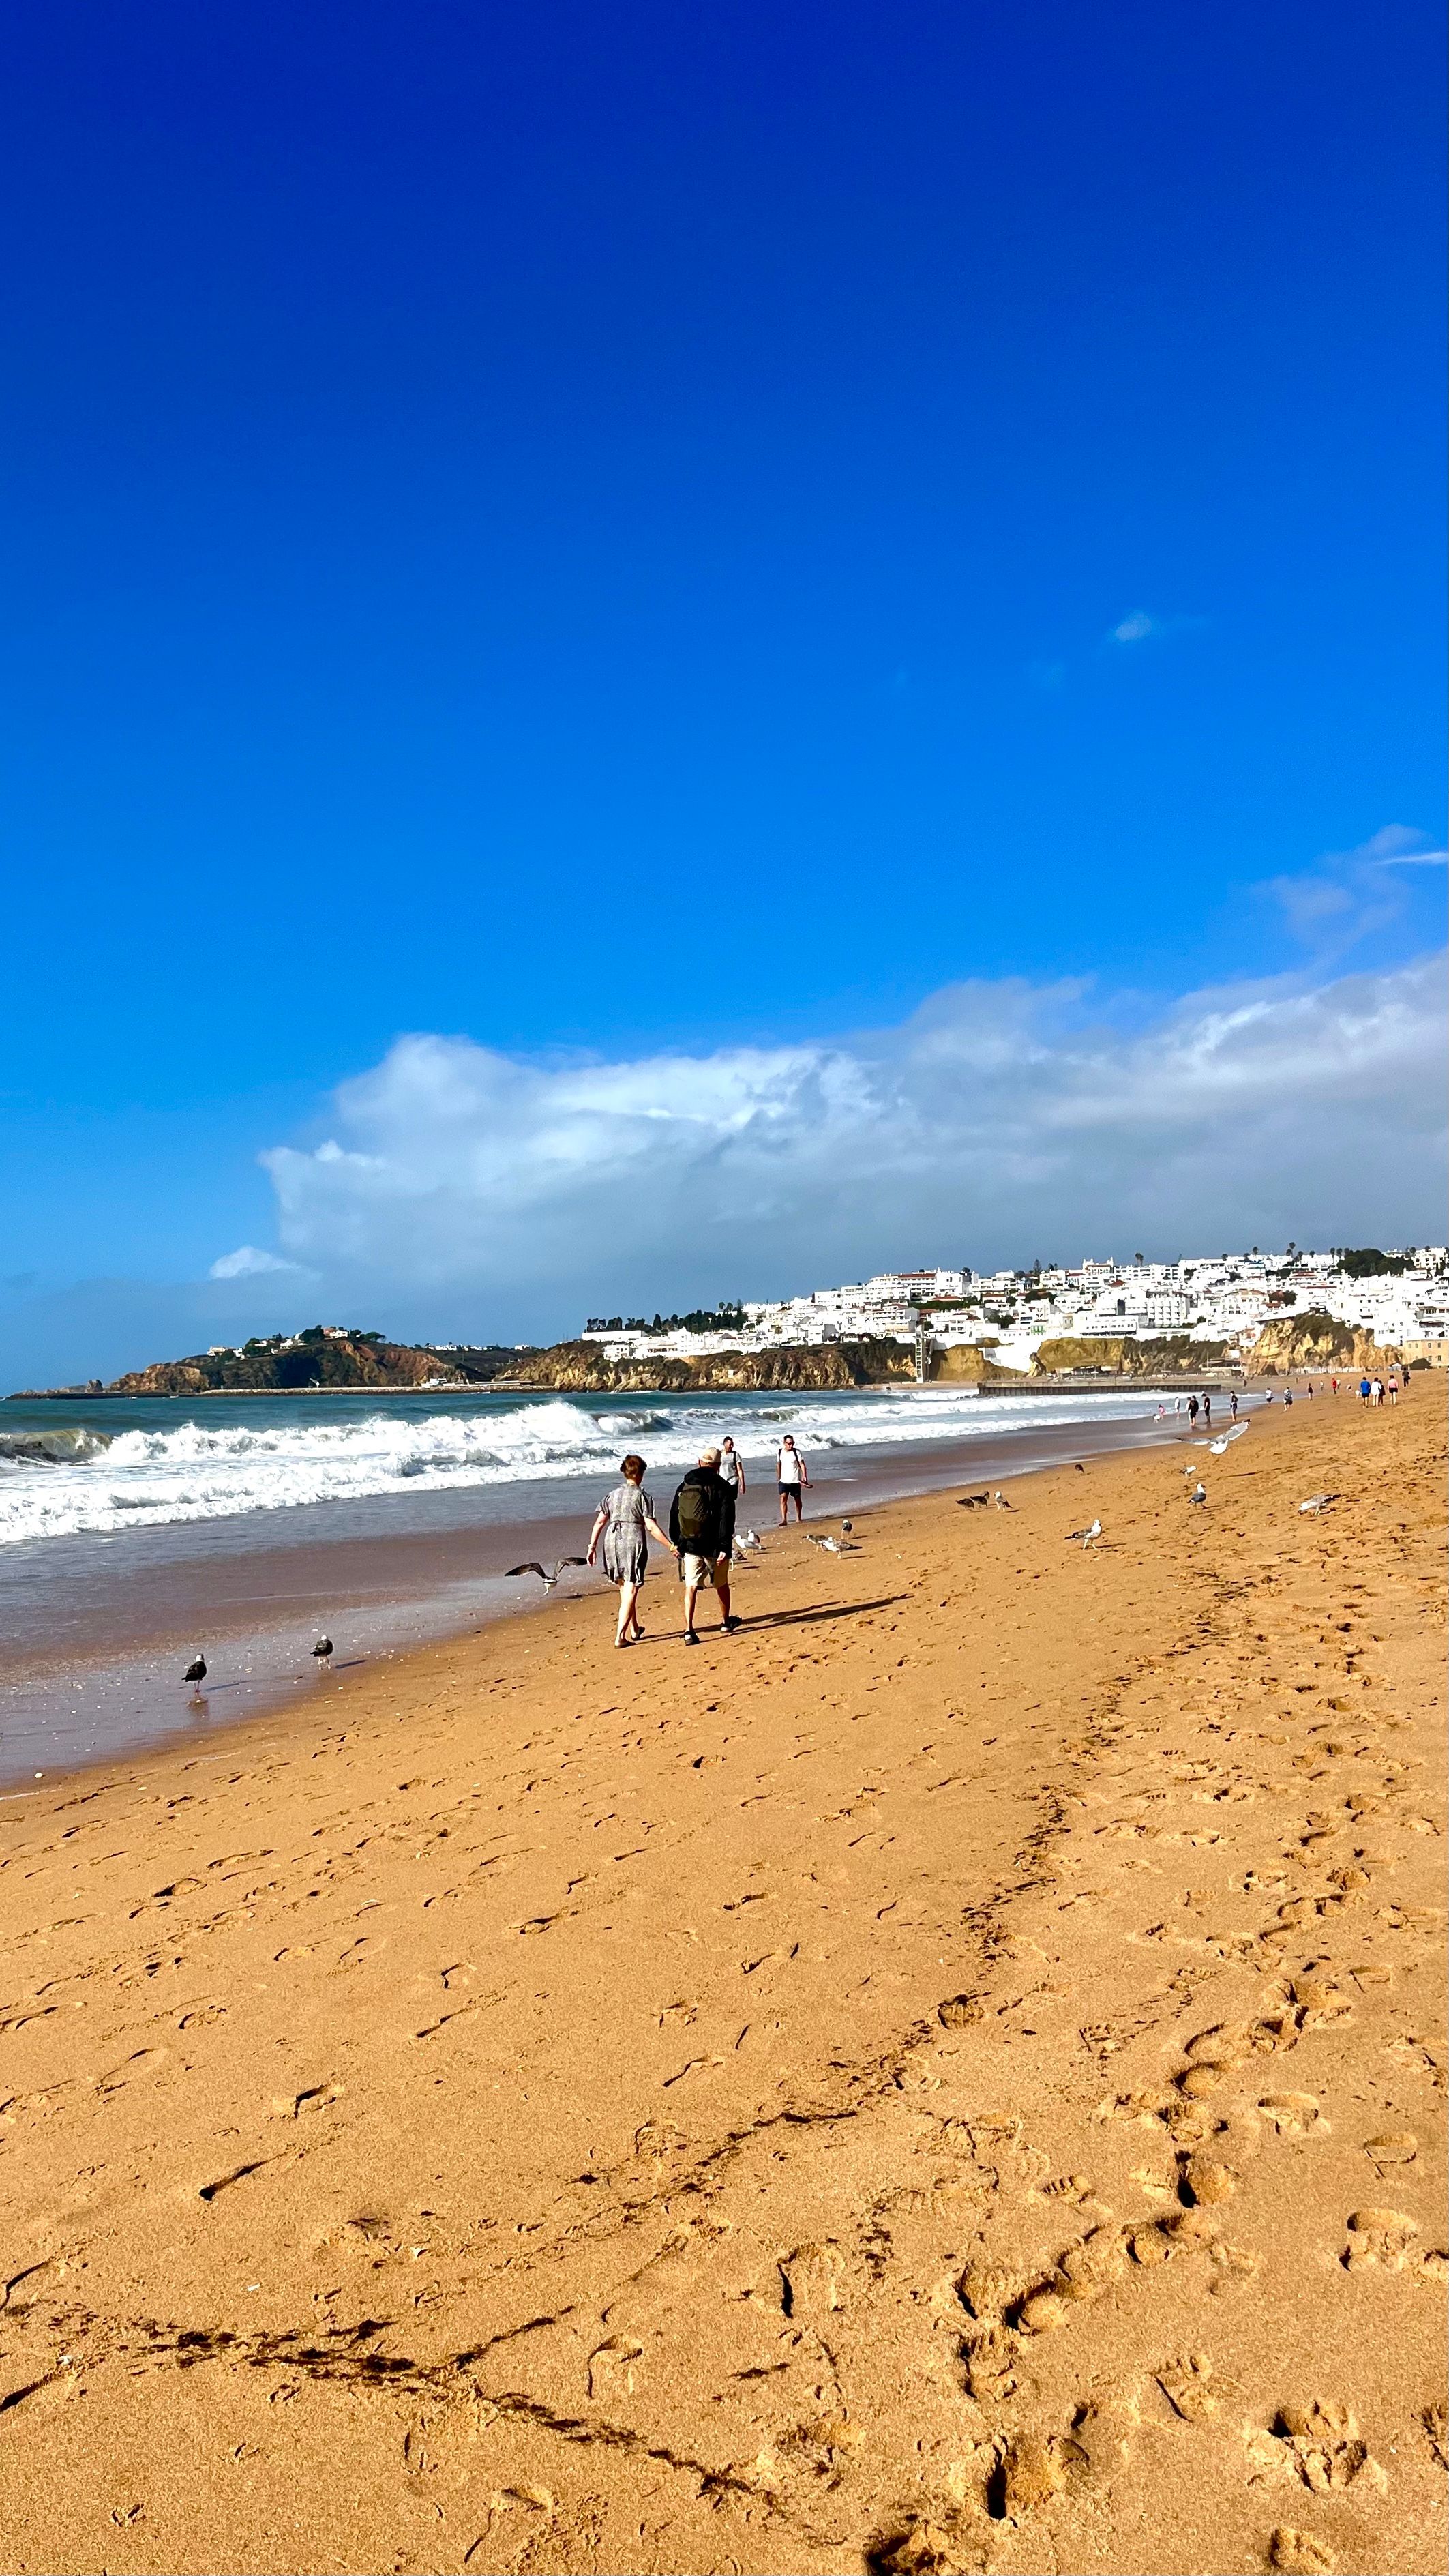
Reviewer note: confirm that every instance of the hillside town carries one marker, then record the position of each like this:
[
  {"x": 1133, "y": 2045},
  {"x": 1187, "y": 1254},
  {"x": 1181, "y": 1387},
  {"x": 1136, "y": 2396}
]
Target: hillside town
[{"x": 1399, "y": 1297}]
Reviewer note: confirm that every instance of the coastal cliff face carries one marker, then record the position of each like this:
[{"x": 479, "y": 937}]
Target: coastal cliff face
[
  {"x": 579, "y": 1368},
  {"x": 1316, "y": 1341},
  {"x": 969, "y": 1363},
  {"x": 313, "y": 1360},
  {"x": 1123, "y": 1357}
]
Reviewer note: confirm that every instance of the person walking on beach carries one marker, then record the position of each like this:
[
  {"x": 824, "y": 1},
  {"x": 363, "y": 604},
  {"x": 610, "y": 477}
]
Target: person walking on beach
[
  {"x": 1207, "y": 1413},
  {"x": 732, "y": 1467},
  {"x": 793, "y": 1475},
  {"x": 1378, "y": 1390},
  {"x": 1192, "y": 1411},
  {"x": 626, "y": 1522},
  {"x": 702, "y": 1528},
  {"x": 1233, "y": 1401}
]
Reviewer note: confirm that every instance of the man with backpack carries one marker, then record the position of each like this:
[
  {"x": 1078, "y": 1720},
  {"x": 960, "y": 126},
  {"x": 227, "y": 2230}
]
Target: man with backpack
[{"x": 702, "y": 1526}]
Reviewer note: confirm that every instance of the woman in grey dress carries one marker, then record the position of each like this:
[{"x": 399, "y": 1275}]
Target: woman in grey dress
[{"x": 625, "y": 1521}]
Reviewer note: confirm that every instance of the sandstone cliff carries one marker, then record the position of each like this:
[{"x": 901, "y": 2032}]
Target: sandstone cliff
[
  {"x": 1314, "y": 1340},
  {"x": 1174, "y": 1356},
  {"x": 970, "y": 1363},
  {"x": 579, "y": 1368}
]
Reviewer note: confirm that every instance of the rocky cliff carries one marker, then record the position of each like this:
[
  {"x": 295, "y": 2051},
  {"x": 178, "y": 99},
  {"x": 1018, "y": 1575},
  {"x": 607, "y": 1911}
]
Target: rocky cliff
[
  {"x": 1315, "y": 1341},
  {"x": 970, "y": 1363},
  {"x": 1174, "y": 1356},
  {"x": 312, "y": 1359},
  {"x": 579, "y": 1368}
]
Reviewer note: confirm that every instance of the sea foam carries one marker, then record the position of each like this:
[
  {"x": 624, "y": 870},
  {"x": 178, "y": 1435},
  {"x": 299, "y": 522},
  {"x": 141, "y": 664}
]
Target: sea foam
[{"x": 200, "y": 1469}]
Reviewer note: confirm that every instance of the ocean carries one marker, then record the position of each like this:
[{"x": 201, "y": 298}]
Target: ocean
[{"x": 241, "y": 1526}]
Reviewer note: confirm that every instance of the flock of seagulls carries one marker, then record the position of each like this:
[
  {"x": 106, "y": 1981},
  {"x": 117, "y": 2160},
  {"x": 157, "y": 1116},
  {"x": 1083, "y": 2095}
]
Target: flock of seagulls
[{"x": 749, "y": 1542}]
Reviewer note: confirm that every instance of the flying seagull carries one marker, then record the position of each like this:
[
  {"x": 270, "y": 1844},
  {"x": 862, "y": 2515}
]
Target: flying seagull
[
  {"x": 195, "y": 1670},
  {"x": 1088, "y": 1537},
  {"x": 1225, "y": 1440},
  {"x": 323, "y": 1652},
  {"x": 548, "y": 1580}
]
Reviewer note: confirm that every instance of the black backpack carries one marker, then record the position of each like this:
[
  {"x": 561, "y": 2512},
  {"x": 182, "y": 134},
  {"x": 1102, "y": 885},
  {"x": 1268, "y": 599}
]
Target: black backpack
[{"x": 698, "y": 1519}]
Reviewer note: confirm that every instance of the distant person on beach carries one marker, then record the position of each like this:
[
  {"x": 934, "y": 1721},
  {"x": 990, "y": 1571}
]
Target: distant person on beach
[
  {"x": 1207, "y": 1413},
  {"x": 1287, "y": 1395},
  {"x": 1233, "y": 1400},
  {"x": 702, "y": 1528},
  {"x": 626, "y": 1522},
  {"x": 1378, "y": 1390},
  {"x": 1364, "y": 1390},
  {"x": 793, "y": 1475},
  {"x": 732, "y": 1467},
  {"x": 1192, "y": 1411}
]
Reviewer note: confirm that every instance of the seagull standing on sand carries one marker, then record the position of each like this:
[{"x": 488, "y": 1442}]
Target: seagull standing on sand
[
  {"x": 1198, "y": 1494},
  {"x": 972, "y": 1502},
  {"x": 1318, "y": 1503},
  {"x": 547, "y": 1579},
  {"x": 195, "y": 1671},
  {"x": 323, "y": 1653},
  {"x": 1002, "y": 1505},
  {"x": 1088, "y": 1537}
]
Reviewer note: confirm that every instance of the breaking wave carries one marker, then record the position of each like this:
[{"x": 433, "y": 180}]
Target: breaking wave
[{"x": 197, "y": 1470}]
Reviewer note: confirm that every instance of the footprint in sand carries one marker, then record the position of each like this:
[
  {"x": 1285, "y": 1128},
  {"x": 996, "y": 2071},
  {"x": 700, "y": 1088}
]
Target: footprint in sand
[
  {"x": 1297, "y": 2553},
  {"x": 1394, "y": 2147},
  {"x": 1191, "y": 2388},
  {"x": 1320, "y": 2443},
  {"x": 812, "y": 2281},
  {"x": 1292, "y": 2114},
  {"x": 611, "y": 2369},
  {"x": 145, "y": 2061},
  {"x": 1382, "y": 2236}
]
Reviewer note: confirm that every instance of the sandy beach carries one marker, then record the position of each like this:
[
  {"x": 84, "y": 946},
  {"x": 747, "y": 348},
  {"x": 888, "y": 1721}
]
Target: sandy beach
[{"x": 949, "y": 2078}]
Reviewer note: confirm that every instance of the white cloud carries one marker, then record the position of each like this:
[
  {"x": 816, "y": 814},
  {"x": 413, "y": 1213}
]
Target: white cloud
[
  {"x": 1140, "y": 627},
  {"x": 247, "y": 1262},
  {"x": 1349, "y": 893},
  {"x": 996, "y": 1122}
]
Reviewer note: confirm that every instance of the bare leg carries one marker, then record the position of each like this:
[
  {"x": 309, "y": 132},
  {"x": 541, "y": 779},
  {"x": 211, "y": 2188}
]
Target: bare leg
[
  {"x": 628, "y": 1611},
  {"x": 691, "y": 1595},
  {"x": 723, "y": 1589}
]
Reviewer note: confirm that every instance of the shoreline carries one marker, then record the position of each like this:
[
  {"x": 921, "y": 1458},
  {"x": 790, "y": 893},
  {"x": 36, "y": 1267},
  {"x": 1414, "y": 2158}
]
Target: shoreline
[
  {"x": 944, "y": 2079},
  {"x": 382, "y": 1596}
]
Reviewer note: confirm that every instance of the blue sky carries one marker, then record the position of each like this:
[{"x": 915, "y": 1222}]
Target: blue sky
[{"x": 625, "y": 539}]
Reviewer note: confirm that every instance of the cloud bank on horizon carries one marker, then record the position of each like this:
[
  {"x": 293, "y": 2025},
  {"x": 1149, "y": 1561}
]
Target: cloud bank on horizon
[{"x": 1000, "y": 1121}]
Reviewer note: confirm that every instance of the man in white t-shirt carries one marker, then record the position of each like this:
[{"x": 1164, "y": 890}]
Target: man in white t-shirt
[{"x": 793, "y": 1475}]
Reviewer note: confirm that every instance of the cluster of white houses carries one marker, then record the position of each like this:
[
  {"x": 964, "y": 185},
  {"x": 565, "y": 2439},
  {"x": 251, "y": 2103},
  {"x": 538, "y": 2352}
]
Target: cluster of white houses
[{"x": 1210, "y": 1297}]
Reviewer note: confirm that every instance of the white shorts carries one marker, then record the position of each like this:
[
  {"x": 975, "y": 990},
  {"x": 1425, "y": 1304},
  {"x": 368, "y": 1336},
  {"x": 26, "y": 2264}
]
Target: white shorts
[{"x": 707, "y": 1569}]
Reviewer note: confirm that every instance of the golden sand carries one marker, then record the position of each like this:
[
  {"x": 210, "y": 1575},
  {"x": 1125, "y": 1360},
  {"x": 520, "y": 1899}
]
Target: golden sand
[{"x": 949, "y": 2078}]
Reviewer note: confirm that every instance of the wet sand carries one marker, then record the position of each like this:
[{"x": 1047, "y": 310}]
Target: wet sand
[{"x": 948, "y": 2078}]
